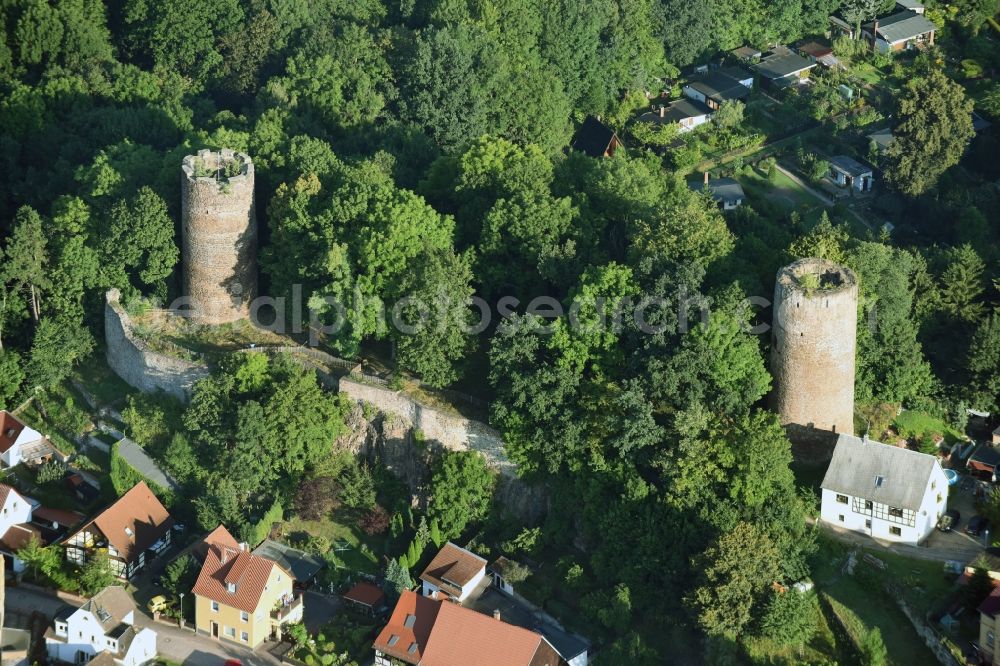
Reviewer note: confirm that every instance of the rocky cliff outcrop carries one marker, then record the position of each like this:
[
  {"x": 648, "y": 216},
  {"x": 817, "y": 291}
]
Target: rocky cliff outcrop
[{"x": 391, "y": 439}]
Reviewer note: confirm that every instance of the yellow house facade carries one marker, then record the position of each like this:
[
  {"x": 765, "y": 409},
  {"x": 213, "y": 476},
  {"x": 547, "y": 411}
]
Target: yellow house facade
[{"x": 243, "y": 598}]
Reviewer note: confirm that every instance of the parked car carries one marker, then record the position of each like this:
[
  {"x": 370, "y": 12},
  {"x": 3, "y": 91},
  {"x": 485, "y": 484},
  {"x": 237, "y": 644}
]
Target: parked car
[
  {"x": 157, "y": 604},
  {"x": 977, "y": 525},
  {"x": 949, "y": 520}
]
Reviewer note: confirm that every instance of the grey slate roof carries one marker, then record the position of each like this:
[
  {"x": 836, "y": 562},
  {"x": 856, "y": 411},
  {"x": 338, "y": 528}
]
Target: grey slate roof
[
  {"x": 135, "y": 456},
  {"x": 849, "y": 165},
  {"x": 856, "y": 463},
  {"x": 677, "y": 111},
  {"x": 782, "y": 63},
  {"x": 882, "y": 137},
  {"x": 720, "y": 87},
  {"x": 746, "y": 52},
  {"x": 722, "y": 189},
  {"x": 301, "y": 564},
  {"x": 902, "y": 26}
]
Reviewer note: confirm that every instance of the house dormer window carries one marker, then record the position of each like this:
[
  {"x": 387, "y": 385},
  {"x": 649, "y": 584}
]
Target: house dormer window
[
  {"x": 129, "y": 532},
  {"x": 879, "y": 481},
  {"x": 231, "y": 588}
]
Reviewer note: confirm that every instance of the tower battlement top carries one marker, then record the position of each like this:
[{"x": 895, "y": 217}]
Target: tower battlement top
[
  {"x": 224, "y": 165},
  {"x": 819, "y": 276}
]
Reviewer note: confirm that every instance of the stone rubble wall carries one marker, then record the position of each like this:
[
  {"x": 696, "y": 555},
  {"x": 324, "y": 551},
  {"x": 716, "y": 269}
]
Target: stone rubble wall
[
  {"x": 452, "y": 432},
  {"x": 138, "y": 365},
  {"x": 813, "y": 348},
  {"x": 218, "y": 238},
  {"x": 384, "y": 426}
]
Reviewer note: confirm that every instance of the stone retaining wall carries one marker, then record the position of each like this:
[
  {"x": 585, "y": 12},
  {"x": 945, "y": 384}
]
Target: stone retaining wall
[
  {"x": 452, "y": 432},
  {"x": 140, "y": 366}
]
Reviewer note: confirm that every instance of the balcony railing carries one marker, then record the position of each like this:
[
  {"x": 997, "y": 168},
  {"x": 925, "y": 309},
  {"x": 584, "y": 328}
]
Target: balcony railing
[{"x": 286, "y": 608}]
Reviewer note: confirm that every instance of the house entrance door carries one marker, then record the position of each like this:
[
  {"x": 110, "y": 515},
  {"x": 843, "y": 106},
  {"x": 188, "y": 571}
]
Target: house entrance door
[{"x": 215, "y": 630}]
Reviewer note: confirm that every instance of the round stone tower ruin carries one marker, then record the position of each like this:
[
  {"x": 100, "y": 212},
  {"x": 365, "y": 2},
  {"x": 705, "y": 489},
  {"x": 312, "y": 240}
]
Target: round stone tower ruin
[
  {"x": 814, "y": 336},
  {"x": 218, "y": 235}
]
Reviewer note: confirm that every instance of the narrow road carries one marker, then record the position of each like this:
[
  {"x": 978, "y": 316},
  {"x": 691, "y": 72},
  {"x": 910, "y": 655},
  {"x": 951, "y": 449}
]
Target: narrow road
[
  {"x": 939, "y": 547},
  {"x": 173, "y": 643}
]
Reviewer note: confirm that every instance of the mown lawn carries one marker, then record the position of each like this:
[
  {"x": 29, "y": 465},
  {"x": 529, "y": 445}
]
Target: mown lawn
[
  {"x": 360, "y": 553},
  {"x": 862, "y": 602},
  {"x": 782, "y": 190},
  {"x": 914, "y": 424}
]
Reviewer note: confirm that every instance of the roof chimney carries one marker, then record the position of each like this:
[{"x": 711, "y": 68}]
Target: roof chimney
[
  {"x": 663, "y": 110},
  {"x": 243, "y": 546},
  {"x": 706, "y": 178},
  {"x": 496, "y": 614}
]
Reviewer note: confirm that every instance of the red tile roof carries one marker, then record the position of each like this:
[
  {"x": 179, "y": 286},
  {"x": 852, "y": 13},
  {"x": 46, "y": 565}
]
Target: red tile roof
[
  {"x": 10, "y": 428},
  {"x": 447, "y": 634},
  {"x": 133, "y": 523},
  {"x": 17, "y": 537},
  {"x": 220, "y": 536},
  {"x": 365, "y": 594},
  {"x": 405, "y": 635},
  {"x": 453, "y": 567},
  {"x": 463, "y": 636},
  {"x": 226, "y": 566},
  {"x": 49, "y": 515}
]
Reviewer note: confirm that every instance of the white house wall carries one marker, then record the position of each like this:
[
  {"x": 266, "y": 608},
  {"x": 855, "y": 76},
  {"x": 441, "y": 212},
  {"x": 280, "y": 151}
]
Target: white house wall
[
  {"x": 691, "y": 93},
  {"x": 429, "y": 588},
  {"x": 471, "y": 585},
  {"x": 689, "y": 124},
  {"x": 15, "y": 511},
  {"x": 12, "y": 456},
  {"x": 84, "y": 634},
  {"x": 925, "y": 519},
  {"x": 142, "y": 649}
]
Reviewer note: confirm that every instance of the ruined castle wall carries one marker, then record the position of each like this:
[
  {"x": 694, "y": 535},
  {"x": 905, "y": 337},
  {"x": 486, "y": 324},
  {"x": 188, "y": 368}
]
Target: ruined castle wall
[
  {"x": 814, "y": 339},
  {"x": 138, "y": 365},
  {"x": 218, "y": 237},
  {"x": 451, "y": 432},
  {"x": 388, "y": 435}
]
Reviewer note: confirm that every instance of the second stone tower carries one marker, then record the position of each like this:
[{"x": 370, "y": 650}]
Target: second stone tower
[
  {"x": 814, "y": 339},
  {"x": 218, "y": 235}
]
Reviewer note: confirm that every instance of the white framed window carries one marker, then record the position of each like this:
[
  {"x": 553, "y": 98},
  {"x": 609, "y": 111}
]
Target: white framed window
[
  {"x": 841, "y": 517},
  {"x": 990, "y": 638},
  {"x": 230, "y": 631},
  {"x": 895, "y": 531},
  {"x": 245, "y": 637},
  {"x": 244, "y": 616},
  {"x": 215, "y": 606},
  {"x": 842, "y": 499}
]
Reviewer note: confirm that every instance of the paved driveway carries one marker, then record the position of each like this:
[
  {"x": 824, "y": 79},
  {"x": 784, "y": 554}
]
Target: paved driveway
[{"x": 318, "y": 609}]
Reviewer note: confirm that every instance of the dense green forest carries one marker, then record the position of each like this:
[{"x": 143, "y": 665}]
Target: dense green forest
[{"x": 421, "y": 147}]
